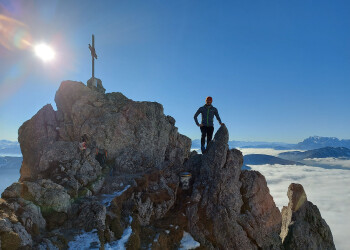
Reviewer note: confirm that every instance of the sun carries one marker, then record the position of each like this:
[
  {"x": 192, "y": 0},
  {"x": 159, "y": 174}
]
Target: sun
[{"x": 45, "y": 52}]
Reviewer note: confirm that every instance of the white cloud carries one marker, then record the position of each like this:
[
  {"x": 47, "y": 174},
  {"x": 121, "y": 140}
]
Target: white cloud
[
  {"x": 330, "y": 161},
  {"x": 265, "y": 151}
]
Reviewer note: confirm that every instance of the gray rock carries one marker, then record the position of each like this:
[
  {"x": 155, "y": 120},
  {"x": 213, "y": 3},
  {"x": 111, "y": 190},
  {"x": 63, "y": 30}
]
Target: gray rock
[
  {"x": 13, "y": 235},
  {"x": 213, "y": 219},
  {"x": 30, "y": 216},
  {"x": 47, "y": 195},
  {"x": 137, "y": 136},
  {"x": 302, "y": 224},
  {"x": 97, "y": 185},
  {"x": 26, "y": 238},
  {"x": 91, "y": 215},
  {"x": 34, "y": 135},
  {"x": 13, "y": 191},
  {"x": 260, "y": 218},
  {"x": 223, "y": 207}
]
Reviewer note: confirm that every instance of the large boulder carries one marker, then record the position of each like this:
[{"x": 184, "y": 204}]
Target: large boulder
[
  {"x": 45, "y": 193},
  {"x": 137, "y": 136},
  {"x": 302, "y": 224},
  {"x": 34, "y": 136}
]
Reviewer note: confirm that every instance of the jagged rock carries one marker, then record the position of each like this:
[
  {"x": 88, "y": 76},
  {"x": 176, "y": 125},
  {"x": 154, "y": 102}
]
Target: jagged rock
[
  {"x": 89, "y": 215},
  {"x": 127, "y": 129},
  {"x": 152, "y": 198},
  {"x": 47, "y": 194},
  {"x": 61, "y": 180},
  {"x": 7, "y": 211},
  {"x": 30, "y": 216},
  {"x": 238, "y": 209},
  {"x": 13, "y": 235},
  {"x": 136, "y": 135},
  {"x": 261, "y": 219},
  {"x": 34, "y": 135},
  {"x": 12, "y": 191},
  {"x": 302, "y": 224},
  {"x": 221, "y": 212},
  {"x": 216, "y": 199}
]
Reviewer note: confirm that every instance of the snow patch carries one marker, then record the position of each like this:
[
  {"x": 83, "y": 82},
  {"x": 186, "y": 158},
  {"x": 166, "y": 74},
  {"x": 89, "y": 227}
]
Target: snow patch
[
  {"x": 120, "y": 244},
  {"x": 107, "y": 198},
  {"x": 90, "y": 240},
  {"x": 86, "y": 240},
  {"x": 188, "y": 242}
]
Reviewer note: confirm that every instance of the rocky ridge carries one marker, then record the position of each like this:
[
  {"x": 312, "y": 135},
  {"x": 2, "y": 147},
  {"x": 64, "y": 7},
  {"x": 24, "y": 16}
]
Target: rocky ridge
[{"x": 61, "y": 185}]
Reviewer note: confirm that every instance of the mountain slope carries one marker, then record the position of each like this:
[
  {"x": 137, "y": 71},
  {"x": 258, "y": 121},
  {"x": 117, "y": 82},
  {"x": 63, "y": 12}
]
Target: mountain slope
[
  {"x": 315, "y": 142},
  {"x": 261, "y": 159},
  {"x": 316, "y": 153}
]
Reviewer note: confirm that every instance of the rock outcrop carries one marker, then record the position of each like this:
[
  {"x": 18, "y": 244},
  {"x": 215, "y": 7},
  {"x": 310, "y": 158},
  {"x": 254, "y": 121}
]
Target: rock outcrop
[
  {"x": 303, "y": 226},
  {"x": 97, "y": 144},
  {"x": 137, "y": 135}
]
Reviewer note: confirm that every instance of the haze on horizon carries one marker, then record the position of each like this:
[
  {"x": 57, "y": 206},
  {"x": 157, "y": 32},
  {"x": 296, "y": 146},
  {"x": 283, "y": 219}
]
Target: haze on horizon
[{"x": 277, "y": 71}]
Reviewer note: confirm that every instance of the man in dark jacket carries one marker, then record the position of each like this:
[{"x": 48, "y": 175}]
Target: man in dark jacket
[{"x": 207, "y": 124}]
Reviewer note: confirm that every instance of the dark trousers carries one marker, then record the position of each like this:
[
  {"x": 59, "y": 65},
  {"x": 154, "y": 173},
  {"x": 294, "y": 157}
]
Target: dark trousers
[{"x": 206, "y": 132}]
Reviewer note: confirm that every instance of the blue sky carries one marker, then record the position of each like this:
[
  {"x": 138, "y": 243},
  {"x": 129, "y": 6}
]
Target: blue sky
[{"x": 277, "y": 70}]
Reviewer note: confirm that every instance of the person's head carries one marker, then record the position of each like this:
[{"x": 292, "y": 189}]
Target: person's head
[{"x": 208, "y": 100}]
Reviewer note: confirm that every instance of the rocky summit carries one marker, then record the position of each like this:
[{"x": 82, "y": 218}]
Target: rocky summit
[{"x": 111, "y": 167}]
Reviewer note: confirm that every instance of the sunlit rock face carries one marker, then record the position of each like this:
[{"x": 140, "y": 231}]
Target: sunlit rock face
[
  {"x": 302, "y": 224},
  {"x": 132, "y": 146},
  {"x": 136, "y": 135},
  {"x": 232, "y": 209}
]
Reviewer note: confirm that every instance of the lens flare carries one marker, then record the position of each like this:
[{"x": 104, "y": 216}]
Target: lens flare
[
  {"x": 44, "y": 52},
  {"x": 13, "y": 34}
]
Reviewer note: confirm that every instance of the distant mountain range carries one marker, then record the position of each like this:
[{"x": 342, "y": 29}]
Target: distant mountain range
[
  {"x": 313, "y": 142},
  {"x": 9, "y": 148},
  {"x": 339, "y": 152},
  {"x": 296, "y": 157}
]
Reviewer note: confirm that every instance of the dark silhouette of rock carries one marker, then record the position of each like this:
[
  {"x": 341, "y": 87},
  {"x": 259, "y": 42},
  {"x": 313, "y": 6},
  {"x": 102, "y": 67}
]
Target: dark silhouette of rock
[{"x": 302, "y": 224}]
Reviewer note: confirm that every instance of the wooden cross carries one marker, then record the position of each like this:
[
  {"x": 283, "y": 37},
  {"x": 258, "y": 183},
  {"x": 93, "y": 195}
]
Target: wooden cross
[{"x": 93, "y": 55}]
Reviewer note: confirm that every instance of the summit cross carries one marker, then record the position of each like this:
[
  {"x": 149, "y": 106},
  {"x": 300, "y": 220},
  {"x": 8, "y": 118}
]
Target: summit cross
[{"x": 93, "y": 55}]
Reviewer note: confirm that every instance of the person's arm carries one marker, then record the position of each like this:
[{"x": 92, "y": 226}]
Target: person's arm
[
  {"x": 196, "y": 115},
  {"x": 216, "y": 113}
]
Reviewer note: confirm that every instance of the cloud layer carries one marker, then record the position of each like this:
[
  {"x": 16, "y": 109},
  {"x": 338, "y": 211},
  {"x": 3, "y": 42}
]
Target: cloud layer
[{"x": 329, "y": 189}]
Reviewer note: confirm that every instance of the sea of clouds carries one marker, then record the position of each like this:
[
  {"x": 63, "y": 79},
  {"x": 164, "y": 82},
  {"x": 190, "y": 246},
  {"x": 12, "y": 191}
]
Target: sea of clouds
[{"x": 326, "y": 187}]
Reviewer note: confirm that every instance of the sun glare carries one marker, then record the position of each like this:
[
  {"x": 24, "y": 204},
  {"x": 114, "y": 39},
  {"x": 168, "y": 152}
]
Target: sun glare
[{"x": 44, "y": 52}]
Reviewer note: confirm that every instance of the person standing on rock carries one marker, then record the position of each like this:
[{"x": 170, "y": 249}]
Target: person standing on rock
[{"x": 207, "y": 124}]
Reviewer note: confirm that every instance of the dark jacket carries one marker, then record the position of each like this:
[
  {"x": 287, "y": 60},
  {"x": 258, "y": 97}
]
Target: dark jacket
[{"x": 208, "y": 112}]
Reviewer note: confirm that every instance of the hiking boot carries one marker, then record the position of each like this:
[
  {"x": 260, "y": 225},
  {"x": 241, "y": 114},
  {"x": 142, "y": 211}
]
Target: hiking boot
[{"x": 203, "y": 149}]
